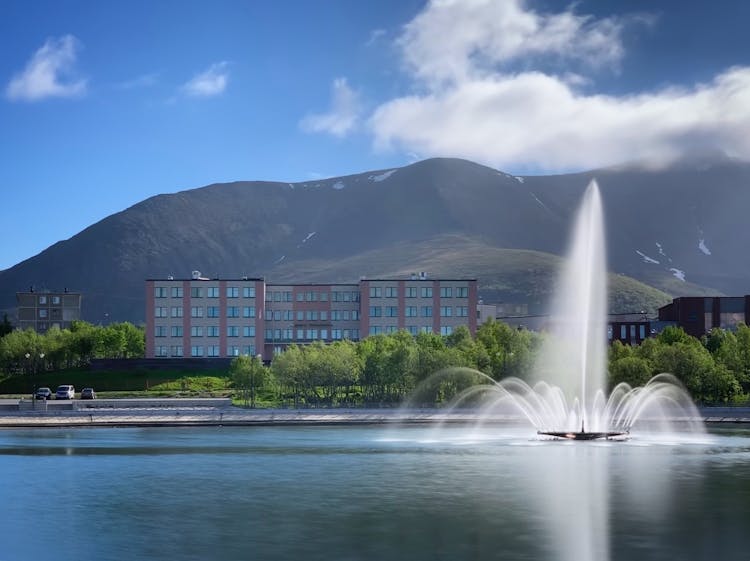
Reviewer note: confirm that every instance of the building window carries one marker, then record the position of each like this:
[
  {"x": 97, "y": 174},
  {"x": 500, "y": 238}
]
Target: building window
[
  {"x": 300, "y": 297},
  {"x": 161, "y": 350},
  {"x": 391, "y": 329},
  {"x": 376, "y": 311},
  {"x": 355, "y": 315},
  {"x": 196, "y": 292},
  {"x": 42, "y": 313},
  {"x": 312, "y": 334},
  {"x": 196, "y": 331},
  {"x": 233, "y": 330},
  {"x": 426, "y": 311},
  {"x": 268, "y": 334},
  {"x": 336, "y": 334},
  {"x": 196, "y": 311},
  {"x": 375, "y": 292},
  {"x": 462, "y": 292},
  {"x": 212, "y": 331},
  {"x": 160, "y": 331},
  {"x": 277, "y": 315},
  {"x": 176, "y": 292},
  {"x": 300, "y": 315},
  {"x": 446, "y": 330},
  {"x": 212, "y": 311},
  {"x": 159, "y": 312},
  {"x": 176, "y": 331},
  {"x": 391, "y": 292},
  {"x": 411, "y": 292},
  {"x": 391, "y": 311},
  {"x": 462, "y": 311},
  {"x": 410, "y": 311},
  {"x": 55, "y": 300},
  {"x": 324, "y": 334},
  {"x": 248, "y": 331},
  {"x": 426, "y": 292},
  {"x": 176, "y": 311},
  {"x": 213, "y": 350},
  {"x": 248, "y": 292},
  {"x": 324, "y": 297},
  {"x": 412, "y": 329},
  {"x": 212, "y": 292},
  {"x": 248, "y": 311},
  {"x": 425, "y": 329},
  {"x": 159, "y": 292},
  {"x": 300, "y": 334},
  {"x": 249, "y": 350},
  {"x": 375, "y": 330},
  {"x": 609, "y": 332},
  {"x": 177, "y": 350},
  {"x": 446, "y": 292},
  {"x": 324, "y": 315},
  {"x": 233, "y": 311},
  {"x": 446, "y": 311},
  {"x": 623, "y": 332},
  {"x": 632, "y": 332},
  {"x": 233, "y": 292},
  {"x": 642, "y": 331},
  {"x": 196, "y": 350}
]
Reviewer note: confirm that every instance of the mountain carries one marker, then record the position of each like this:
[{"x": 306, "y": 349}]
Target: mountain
[{"x": 670, "y": 231}]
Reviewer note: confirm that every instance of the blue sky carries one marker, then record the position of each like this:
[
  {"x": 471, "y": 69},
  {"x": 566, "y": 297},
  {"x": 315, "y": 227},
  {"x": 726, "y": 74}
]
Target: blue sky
[{"x": 107, "y": 103}]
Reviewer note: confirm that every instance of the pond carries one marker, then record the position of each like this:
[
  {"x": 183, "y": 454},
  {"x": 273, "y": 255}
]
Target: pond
[{"x": 369, "y": 493}]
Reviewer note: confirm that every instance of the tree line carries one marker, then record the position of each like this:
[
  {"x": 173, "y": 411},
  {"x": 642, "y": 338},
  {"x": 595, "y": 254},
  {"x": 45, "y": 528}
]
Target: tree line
[
  {"x": 27, "y": 352},
  {"x": 388, "y": 369}
]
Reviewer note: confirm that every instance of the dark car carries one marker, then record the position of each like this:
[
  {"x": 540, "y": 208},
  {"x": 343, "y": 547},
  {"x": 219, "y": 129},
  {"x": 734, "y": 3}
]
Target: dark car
[
  {"x": 88, "y": 393},
  {"x": 43, "y": 393}
]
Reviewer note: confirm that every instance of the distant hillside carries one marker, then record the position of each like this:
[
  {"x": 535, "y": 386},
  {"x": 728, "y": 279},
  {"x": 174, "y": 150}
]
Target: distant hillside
[{"x": 677, "y": 230}]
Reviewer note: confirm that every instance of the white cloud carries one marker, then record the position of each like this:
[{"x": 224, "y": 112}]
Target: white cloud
[
  {"x": 49, "y": 73},
  {"x": 343, "y": 115},
  {"x": 468, "y": 103},
  {"x": 208, "y": 83},
  {"x": 452, "y": 40}
]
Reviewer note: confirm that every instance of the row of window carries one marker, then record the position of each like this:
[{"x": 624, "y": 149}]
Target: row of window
[
  {"x": 412, "y": 329},
  {"x": 423, "y": 291},
  {"x": 310, "y": 334},
  {"x": 207, "y": 331},
  {"x": 210, "y": 311},
  {"x": 411, "y": 311},
  {"x": 200, "y": 350},
  {"x": 54, "y": 300},
  {"x": 198, "y": 291},
  {"x": 624, "y": 332},
  {"x": 312, "y": 315}
]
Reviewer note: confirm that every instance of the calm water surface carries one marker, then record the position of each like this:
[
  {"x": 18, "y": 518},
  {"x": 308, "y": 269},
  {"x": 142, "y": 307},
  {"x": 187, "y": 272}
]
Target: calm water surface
[{"x": 369, "y": 493}]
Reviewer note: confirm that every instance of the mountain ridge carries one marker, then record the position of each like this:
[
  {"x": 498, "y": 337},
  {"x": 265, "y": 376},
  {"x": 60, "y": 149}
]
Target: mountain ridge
[{"x": 271, "y": 229}]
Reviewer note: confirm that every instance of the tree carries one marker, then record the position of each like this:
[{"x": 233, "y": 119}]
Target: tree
[
  {"x": 249, "y": 375},
  {"x": 5, "y": 327},
  {"x": 632, "y": 370}
]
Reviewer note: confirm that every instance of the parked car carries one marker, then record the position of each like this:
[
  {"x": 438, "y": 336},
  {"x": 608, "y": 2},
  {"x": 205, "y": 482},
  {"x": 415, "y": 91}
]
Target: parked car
[
  {"x": 65, "y": 391},
  {"x": 88, "y": 393},
  {"x": 43, "y": 393}
]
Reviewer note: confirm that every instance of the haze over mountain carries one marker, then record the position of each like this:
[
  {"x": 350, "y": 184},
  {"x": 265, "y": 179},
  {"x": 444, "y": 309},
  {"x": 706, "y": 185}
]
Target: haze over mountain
[{"x": 677, "y": 229}]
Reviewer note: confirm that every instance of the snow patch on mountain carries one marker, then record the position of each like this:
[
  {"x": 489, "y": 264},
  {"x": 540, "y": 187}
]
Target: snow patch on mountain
[
  {"x": 310, "y": 235},
  {"x": 702, "y": 246},
  {"x": 382, "y": 176},
  {"x": 646, "y": 258},
  {"x": 279, "y": 260},
  {"x": 519, "y": 179},
  {"x": 338, "y": 185},
  {"x": 678, "y": 273}
]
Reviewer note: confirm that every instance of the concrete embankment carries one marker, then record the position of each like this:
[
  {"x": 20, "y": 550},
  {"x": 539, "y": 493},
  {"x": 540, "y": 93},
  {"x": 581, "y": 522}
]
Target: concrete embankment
[{"x": 194, "y": 412}]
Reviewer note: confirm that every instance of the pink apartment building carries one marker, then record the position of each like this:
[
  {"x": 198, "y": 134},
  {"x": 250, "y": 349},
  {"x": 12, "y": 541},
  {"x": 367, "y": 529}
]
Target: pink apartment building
[{"x": 219, "y": 318}]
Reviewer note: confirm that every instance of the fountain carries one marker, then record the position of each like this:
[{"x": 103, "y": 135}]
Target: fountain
[{"x": 566, "y": 398}]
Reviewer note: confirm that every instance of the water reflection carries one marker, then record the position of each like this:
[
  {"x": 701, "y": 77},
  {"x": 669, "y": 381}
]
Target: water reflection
[{"x": 370, "y": 494}]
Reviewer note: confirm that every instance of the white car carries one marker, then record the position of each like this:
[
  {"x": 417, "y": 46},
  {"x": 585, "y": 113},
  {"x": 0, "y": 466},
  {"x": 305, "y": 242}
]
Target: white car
[{"x": 65, "y": 392}]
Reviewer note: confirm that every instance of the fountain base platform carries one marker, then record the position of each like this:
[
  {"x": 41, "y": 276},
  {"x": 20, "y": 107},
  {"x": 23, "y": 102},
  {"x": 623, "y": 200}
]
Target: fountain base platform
[{"x": 585, "y": 435}]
